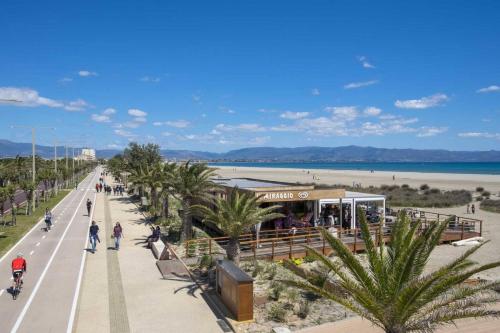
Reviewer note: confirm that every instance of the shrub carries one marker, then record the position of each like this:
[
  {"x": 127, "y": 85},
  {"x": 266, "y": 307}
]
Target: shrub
[
  {"x": 276, "y": 290},
  {"x": 434, "y": 191},
  {"x": 206, "y": 261},
  {"x": 309, "y": 259},
  {"x": 479, "y": 189},
  {"x": 405, "y": 186},
  {"x": 479, "y": 199},
  {"x": 486, "y": 194},
  {"x": 297, "y": 261},
  {"x": 491, "y": 205},
  {"x": 424, "y": 187},
  {"x": 292, "y": 296},
  {"x": 276, "y": 312},
  {"x": 271, "y": 271},
  {"x": 257, "y": 269},
  {"x": 304, "y": 309}
]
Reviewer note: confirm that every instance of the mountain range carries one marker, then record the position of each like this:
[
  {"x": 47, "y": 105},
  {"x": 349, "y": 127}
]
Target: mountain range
[{"x": 272, "y": 154}]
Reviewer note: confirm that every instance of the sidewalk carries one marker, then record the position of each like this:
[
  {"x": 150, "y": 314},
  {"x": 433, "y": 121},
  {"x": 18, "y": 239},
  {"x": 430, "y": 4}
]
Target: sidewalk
[{"x": 151, "y": 304}]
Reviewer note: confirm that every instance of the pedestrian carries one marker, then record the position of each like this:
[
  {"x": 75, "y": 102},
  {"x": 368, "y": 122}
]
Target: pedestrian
[
  {"x": 114, "y": 190},
  {"x": 94, "y": 236},
  {"x": 97, "y": 187},
  {"x": 89, "y": 207},
  {"x": 468, "y": 208},
  {"x": 473, "y": 209},
  {"x": 100, "y": 187},
  {"x": 48, "y": 219},
  {"x": 117, "y": 234},
  {"x": 121, "y": 190},
  {"x": 393, "y": 177}
]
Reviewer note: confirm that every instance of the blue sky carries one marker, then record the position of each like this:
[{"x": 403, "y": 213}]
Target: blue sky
[{"x": 220, "y": 75}]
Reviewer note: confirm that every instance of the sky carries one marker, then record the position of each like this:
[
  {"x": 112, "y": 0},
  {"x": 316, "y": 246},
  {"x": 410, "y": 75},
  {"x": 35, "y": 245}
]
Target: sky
[{"x": 223, "y": 75}]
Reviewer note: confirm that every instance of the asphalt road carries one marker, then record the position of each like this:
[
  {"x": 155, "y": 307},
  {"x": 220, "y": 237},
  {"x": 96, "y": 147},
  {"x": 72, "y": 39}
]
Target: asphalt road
[{"x": 55, "y": 260}]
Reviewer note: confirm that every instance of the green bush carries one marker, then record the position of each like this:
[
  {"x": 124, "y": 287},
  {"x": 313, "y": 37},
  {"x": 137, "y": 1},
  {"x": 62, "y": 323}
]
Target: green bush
[
  {"x": 491, "y": 205},
  {"x": 309, "y": 259},
  {"x": 271, "y": 271},
  {"x": 206, "y": 261},
  {"x": 276, "y": 290},
  {"x": 479, "y": 199},
  {"x": 479, "y": 189},
  {"x": 276, "y": 312},
  {"x": 304, "y": 309},
  {"x": 424, "y": 187},
  {"x": 257, "y": 268},
  {"x": 486, "y": 194}
]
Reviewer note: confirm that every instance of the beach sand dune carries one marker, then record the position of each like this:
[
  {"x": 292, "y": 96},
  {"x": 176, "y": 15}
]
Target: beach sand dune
[{"x": 443, "y": 181}]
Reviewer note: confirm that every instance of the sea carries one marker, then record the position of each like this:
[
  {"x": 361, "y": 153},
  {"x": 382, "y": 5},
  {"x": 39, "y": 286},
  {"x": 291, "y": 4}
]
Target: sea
[{"x": 485, "y": 168}]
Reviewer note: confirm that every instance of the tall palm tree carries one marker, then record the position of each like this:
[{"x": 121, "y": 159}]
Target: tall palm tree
[
  {"x": 168, "y": 175},
  {"x": 236, "y": 215},
  {"x": 29, "y": 190},
  {"x": 392, "y": 290},
  {"x": 192, "y": 182},
  {"x": 137, "y": 178},
  {"x": 10, "y": 192}
]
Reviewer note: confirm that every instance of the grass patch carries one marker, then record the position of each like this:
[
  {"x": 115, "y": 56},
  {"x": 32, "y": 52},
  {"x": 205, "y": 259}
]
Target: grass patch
[
  {"x": 490, "y": 205},
  {"x": 9, "y": 235}
]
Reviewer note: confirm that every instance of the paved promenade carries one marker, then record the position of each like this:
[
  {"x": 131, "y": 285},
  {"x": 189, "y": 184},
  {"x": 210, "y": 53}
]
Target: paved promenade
[{"x": 123, "y": 291}]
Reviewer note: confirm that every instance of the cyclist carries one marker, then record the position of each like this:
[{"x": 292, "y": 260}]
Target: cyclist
[
  {"x": 89, "y": 206},
  {"x": 48, "y": 218},
  {"x": 18, "y": 268}
]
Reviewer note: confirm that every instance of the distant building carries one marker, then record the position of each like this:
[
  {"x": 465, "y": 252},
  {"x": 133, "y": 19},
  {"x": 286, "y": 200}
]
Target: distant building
[{"x": 87, "y": 154}]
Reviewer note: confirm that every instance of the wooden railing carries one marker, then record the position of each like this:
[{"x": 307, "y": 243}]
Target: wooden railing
[{"x": 273, "y": 243}]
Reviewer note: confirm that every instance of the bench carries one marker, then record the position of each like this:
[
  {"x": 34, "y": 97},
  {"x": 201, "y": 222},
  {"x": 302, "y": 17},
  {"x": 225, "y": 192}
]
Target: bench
[{"x": 160, "y": 250}]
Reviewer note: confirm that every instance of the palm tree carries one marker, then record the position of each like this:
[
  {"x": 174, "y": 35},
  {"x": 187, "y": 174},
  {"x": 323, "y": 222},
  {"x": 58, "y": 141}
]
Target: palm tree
[
  {"x": 3, "y": 200},
  {"x": 392, "y": 291},
  {"x": 236, "y": 215},
  {"x": 29, "y": 189},
  {"x": 10, "y": 192},
  {"x": 168, "y": 174},
  {"x": 192, "y": 182},
  {"x": 138, "y": 180}
]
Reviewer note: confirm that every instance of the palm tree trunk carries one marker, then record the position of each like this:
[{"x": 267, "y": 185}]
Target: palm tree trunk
[
  {"x": 165, "y": 206},
  {"x": 233, "y": 250},
  {"x": 187, "y": 230}
]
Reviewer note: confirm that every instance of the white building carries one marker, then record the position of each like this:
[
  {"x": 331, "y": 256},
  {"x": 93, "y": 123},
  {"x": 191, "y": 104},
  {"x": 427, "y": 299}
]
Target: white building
[{"x": 87, "y": 154}]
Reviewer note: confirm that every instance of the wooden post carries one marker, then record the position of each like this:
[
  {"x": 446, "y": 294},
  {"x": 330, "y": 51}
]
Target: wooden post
[
  {"x": 272, "y": 250},
  {"x": 291, "y": 245},
  {"x": 210, "y": 246},
  {"x": 480, "y": 227},
  {"x": 355, "y": 239},
  {"x": 254, "y": 248},
  {"x": 438, "y": 217},
  {"x": 324, "y": 244},
  {"x": 462, "y": 227}
]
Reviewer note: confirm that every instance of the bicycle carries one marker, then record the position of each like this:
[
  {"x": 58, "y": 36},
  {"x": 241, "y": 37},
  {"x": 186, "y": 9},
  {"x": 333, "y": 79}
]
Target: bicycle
[{"x": 18, "y": 284}]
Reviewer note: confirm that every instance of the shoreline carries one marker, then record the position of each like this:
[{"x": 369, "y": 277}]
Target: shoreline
[{"x": 443, "y": 181}]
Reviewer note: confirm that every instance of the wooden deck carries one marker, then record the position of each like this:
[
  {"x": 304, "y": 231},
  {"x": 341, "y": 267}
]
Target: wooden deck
[{"x": 289, "y": 243}]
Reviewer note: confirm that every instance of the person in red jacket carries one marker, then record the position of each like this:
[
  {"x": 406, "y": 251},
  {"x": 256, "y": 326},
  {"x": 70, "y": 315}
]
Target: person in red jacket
[{"x": 18, "y": 268}]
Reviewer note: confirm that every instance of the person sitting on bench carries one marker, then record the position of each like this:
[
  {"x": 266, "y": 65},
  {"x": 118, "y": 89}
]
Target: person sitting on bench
[{"x": 155, "y": 236}]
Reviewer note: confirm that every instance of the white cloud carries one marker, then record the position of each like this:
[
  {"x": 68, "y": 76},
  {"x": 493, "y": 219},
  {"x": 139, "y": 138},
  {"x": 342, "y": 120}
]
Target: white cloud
[
  {"x": 65, "y": 80},
  {"x": 343, "y": 112},
  {"x": 109, "y": 111},
  {"x": 355, "y": 85},
  {"x": 226, "y": 110},
  {"x": 137, "y": 113},
  {"x": 131, "y": 124},
  {"x": 479, "y": 135},
  {"x": 493, "y": 88},
  {"x": 364, "y": 62},
  {"x": 26, "y": 97},
  {"x": 77, "y": 105},
  {"x": 267, "y": 111},
  {"x": 387, "y": 117},
  {"x": 372, "y": 111},
  {"x": 157, "y": 123},
  {"x": 140, "y": 120},
  {"x": 85, "y": 73},
  {"x": 315, "y": 92},
  {"x": 431, "y": 131},
  {"x": 100, "y": 118},
  {"x": 422, "y": 103},
  {"x": 166, "y": 134},
  {"x": 124, "y": 133},
  {"x": 178, "y": 123},
  {"x": 240, "y": 127},
  {"x": 260, "y": 140},
  {"x": 294, "y": 115},
  {"x": 150, "y": 79}
]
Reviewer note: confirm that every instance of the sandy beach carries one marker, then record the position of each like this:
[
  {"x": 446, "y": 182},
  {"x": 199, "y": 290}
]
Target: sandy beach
[
  {"x": 443, "y": 181},
  {"x": 444, "y": 253}
]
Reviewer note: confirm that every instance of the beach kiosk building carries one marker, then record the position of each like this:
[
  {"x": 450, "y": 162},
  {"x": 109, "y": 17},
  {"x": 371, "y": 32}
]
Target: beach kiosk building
[{"x": 308, "y": 205}]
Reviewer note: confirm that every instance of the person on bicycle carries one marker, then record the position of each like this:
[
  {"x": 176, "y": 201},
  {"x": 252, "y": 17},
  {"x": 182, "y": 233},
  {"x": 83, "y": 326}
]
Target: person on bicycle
[
  {"x": 18, "y": 268},
  {"x": 48, "y": 218},
  {"x": 89, "y": 206}
]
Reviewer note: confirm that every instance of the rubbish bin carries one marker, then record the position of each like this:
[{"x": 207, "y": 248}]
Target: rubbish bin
[{"x": 235, "y": 287}]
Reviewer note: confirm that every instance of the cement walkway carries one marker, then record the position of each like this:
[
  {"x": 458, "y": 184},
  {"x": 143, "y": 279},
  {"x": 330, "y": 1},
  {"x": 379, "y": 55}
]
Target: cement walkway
[{"x": 151, "y": 304}]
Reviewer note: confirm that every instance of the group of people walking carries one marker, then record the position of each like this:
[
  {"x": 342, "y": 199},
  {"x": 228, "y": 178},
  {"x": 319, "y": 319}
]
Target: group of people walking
[{"x": 117, "y": 234}]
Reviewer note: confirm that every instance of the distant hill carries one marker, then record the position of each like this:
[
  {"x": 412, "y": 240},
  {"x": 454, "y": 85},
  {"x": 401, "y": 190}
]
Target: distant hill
[{"x": 270, "y": 154}]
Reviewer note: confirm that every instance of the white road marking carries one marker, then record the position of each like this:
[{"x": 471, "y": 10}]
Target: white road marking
[
  {"x": 31, "y": 253},
  {"x": 1, "y": 292},
  {"x": 37, "y": 244},
  {"x": 80, "y": 275},
  {"x": 42, "y": 276}
]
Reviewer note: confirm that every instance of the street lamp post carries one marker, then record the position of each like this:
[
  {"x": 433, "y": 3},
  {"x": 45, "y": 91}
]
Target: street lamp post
[{"x": 33, "y": 150}]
